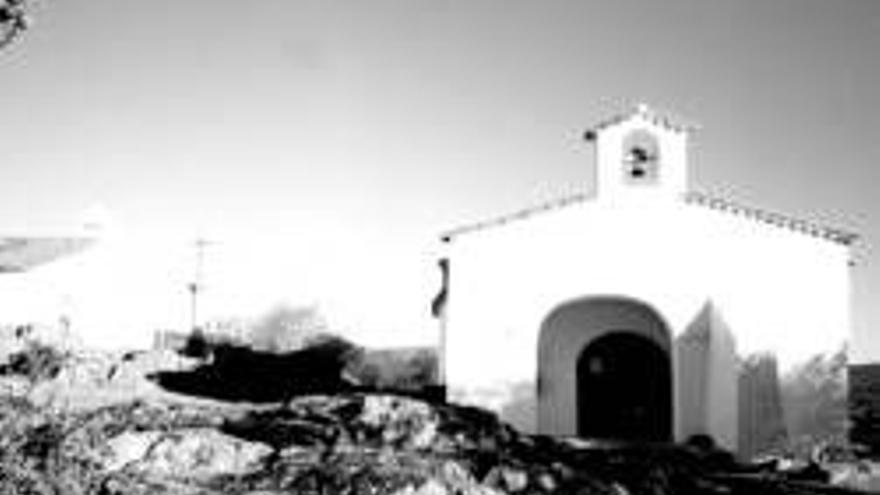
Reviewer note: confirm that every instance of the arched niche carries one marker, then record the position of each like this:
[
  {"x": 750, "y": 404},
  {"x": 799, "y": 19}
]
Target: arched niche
[{"x": 602, "y": 360}]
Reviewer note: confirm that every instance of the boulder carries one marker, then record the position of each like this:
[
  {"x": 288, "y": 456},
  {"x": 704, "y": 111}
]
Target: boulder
[
  {"x": 399, "y": 421},
  {"x": 197, "y": 453},
  {"x": 92, "y": 380},
  {"x": 127, "y": 448},
  {"x": 14, "y": 386}
]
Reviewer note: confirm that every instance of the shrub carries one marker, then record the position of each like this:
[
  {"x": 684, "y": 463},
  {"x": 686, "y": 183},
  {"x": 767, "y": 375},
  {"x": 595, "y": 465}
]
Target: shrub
[
  {"x": 239, "y": 373},
  {"x": 36, "y": 362},
  {"x": 196, "y": 344},
  {"x": 814, "y": 397},
  {"x": 286, "y": 328},
  {"x": 395, "y": 369}
]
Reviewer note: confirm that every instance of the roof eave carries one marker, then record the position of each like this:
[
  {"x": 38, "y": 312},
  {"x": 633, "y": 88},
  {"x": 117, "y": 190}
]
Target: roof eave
[
  {"x": 646, "y": 113},
  {"x": 833, "y": 234}
]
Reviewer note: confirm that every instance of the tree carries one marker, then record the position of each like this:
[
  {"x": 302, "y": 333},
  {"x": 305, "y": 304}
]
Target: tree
[
  {"x": 815, "y": 400},
  {"x": 286, "y": 328},
  {"x": 13, "y": 20}
]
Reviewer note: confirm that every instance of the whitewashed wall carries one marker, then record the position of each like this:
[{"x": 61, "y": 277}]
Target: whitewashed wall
[
  {"x": 779, "y": 291},
  {"x": 113, "y": 294}
]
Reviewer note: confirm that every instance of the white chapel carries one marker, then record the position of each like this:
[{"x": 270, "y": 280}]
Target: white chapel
[{"x": 625, "y": 313}]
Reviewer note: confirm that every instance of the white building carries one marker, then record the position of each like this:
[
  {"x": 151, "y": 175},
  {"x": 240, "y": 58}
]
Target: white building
[
  {"x": 624, "y": 314},
  {"x": 94, "y": 288}
]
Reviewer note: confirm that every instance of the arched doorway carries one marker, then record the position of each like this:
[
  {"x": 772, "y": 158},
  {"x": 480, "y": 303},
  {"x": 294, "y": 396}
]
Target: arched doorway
[
  {"x": 624, "y": 389},
  {"x": 605, "y": 370}
]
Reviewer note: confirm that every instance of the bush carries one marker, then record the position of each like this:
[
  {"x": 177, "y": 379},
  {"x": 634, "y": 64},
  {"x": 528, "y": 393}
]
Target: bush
[
  {"x": 815, "y": 401},
  {"x": 196, "y": 345},
  {"x": 395, "y": 369},
  {"x": 240, "y": 373},
  {"x": 286, "y": 328},
  {"x": 37, "y": 362}
]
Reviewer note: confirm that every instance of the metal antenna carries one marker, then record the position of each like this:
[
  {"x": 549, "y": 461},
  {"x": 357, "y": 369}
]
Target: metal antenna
[{"x": 197, "y": 284}]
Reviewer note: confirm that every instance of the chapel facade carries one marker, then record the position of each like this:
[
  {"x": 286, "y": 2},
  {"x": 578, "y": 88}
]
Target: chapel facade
[{"x": 627, "y": 313}]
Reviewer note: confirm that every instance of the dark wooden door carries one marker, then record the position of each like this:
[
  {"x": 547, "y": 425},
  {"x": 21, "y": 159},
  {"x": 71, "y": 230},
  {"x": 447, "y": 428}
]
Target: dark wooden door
[{"x": 624, "y": 389}]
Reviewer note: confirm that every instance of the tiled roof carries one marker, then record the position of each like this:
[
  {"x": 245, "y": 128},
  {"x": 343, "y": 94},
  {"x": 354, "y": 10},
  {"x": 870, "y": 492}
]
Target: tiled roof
[
  {"x": 19, "y": 254},
  {"x": 723, "y": 205},
  {"x": 646, "y": 113},
  {"x": 772, "y": 218},
  {"x": 517, "y": 215}
]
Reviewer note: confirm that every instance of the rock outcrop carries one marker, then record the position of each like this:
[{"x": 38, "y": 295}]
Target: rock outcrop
[
  {"x": 94, "y": 424},
  {"x": 342, "y": 443}
]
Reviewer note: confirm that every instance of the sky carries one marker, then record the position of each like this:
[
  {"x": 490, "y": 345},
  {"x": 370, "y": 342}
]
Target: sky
[{"x": 342, "y": 137}]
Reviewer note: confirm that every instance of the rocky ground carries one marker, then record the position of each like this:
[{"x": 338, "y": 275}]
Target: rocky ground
[{"x": 98, "y": 424}]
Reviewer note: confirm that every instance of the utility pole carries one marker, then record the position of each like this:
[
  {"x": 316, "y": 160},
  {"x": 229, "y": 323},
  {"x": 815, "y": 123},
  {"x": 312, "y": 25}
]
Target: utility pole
[{"x": 197, "y": 285}]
